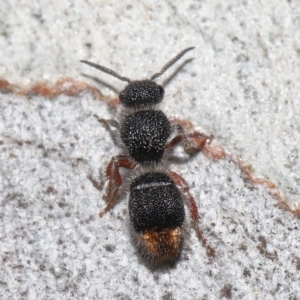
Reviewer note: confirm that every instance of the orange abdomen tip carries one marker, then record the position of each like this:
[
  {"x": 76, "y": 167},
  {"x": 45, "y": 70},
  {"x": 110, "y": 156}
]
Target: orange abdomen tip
[{"x": 163, "y": 245}]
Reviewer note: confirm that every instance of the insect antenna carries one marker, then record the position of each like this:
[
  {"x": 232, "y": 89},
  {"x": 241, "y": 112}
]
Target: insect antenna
[
  {"x": 171, "y": 62},
  {"x": 106, "y": 70}
]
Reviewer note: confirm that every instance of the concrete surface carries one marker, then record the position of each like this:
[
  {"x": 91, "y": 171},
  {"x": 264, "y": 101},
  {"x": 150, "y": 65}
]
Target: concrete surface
[{"x": 241, "y": 86}]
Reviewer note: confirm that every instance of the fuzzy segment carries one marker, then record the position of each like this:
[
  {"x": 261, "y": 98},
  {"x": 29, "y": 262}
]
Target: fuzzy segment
[
  {"x": 145, "y": 134},
  {"x": 162, "y": 245},
  {"x": 155, "y": 203},
  {"x": 141, "y": 93}
]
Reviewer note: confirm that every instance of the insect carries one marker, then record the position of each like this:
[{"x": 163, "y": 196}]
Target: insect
[{"x": 157, "y": 195}]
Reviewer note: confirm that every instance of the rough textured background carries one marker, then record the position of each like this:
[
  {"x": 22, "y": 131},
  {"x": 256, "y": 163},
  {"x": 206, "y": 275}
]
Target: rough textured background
[{"x": 241, "y": 86}]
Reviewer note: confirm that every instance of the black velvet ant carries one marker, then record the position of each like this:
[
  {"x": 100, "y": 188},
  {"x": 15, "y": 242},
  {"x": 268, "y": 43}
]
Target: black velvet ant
[{"x": 157, "y": 195}]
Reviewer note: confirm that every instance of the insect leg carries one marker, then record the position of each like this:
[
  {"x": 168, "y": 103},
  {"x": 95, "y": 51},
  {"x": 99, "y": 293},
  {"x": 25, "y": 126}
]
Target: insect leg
[
  {"x": 184, "y": 188},
  {"x": 115, "y": 180}
]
